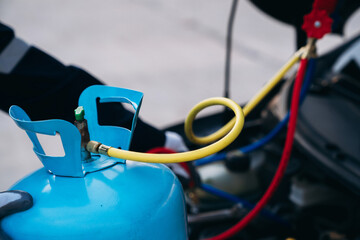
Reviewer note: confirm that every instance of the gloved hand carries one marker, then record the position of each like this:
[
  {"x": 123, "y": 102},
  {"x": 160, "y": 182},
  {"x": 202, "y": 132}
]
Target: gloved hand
[{"x": 11, "y": 202}]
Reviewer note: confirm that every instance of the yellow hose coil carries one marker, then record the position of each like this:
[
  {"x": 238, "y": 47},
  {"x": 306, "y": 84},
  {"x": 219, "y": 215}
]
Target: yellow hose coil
[
  {"x": 195, "y": 154},
  {"x": 231, "y": 130}
]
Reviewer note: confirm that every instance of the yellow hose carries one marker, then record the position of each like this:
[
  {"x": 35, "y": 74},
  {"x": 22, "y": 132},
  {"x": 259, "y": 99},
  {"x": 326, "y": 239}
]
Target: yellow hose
[
  {"x": 231, "y": 130},
  {"x": 195, "y": 154},
  {"x": 248, "y": 107}
]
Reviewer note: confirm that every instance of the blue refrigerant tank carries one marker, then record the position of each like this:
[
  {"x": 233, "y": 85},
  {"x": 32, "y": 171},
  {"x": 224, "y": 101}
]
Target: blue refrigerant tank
[{"x": 103, "y": 197}]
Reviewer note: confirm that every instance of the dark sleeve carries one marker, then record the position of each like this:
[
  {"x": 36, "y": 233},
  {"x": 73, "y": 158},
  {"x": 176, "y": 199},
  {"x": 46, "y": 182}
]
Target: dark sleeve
[{"x": 47, "y": 89}]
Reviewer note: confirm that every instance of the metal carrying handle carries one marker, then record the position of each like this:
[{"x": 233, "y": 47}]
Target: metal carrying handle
[
  {"x": 115, "y": 136},
  {"x": 68, "y": 165},
  {"x": 71, "y": 164}
]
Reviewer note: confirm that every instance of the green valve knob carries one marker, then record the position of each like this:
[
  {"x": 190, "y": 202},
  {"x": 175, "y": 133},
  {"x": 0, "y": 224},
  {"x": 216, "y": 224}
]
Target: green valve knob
[{"x": 79, "y": 113}]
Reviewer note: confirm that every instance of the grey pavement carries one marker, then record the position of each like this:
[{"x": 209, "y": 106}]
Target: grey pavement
[{"x": 172, "y": 50}]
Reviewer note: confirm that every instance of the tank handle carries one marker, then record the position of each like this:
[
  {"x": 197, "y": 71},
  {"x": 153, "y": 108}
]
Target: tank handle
[
  {"x": 115, "y": 136},
  {"x": 71, "y": 164},
  {"x": 68, "y": 165}
]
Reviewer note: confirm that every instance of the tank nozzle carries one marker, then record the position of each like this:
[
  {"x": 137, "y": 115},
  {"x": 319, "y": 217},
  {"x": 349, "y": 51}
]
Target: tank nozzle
[{"x": 81, "y": 124}]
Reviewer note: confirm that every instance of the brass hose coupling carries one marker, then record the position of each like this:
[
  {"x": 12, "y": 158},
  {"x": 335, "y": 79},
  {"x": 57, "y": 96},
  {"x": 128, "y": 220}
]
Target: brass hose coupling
[
  {"x": 310, "y": 49},
  {"x": 98, "y": 148}
]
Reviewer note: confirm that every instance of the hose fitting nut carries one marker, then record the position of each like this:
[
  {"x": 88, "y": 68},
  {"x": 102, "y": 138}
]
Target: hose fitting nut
[
  {"x": 93, "y": 146},
  {"x": 96, "y": 147}
]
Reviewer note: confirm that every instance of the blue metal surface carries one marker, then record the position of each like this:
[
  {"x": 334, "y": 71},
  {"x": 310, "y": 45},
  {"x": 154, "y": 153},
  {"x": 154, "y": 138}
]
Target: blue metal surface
[
  {"x": 97, "y": 199},
  {"x": 126, "y": 201}
]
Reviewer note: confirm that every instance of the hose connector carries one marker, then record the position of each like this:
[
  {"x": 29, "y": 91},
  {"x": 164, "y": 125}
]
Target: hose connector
[
  {"x": 98, "y": 148},
  {"x": 310, "y": 49}
]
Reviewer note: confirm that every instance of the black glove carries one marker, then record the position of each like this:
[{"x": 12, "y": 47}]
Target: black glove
[{"x": 12, "y": 202}]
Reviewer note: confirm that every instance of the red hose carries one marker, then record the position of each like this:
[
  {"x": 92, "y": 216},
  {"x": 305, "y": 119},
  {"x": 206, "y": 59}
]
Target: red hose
[{"x": 283, "y": 162}]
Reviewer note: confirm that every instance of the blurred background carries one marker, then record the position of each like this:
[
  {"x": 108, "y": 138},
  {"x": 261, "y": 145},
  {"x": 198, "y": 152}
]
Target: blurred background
[{"x": 173, "y": 51}]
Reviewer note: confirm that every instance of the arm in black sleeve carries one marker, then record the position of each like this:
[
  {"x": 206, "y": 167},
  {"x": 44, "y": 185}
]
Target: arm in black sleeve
[{"x": 47, "y": 89}]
